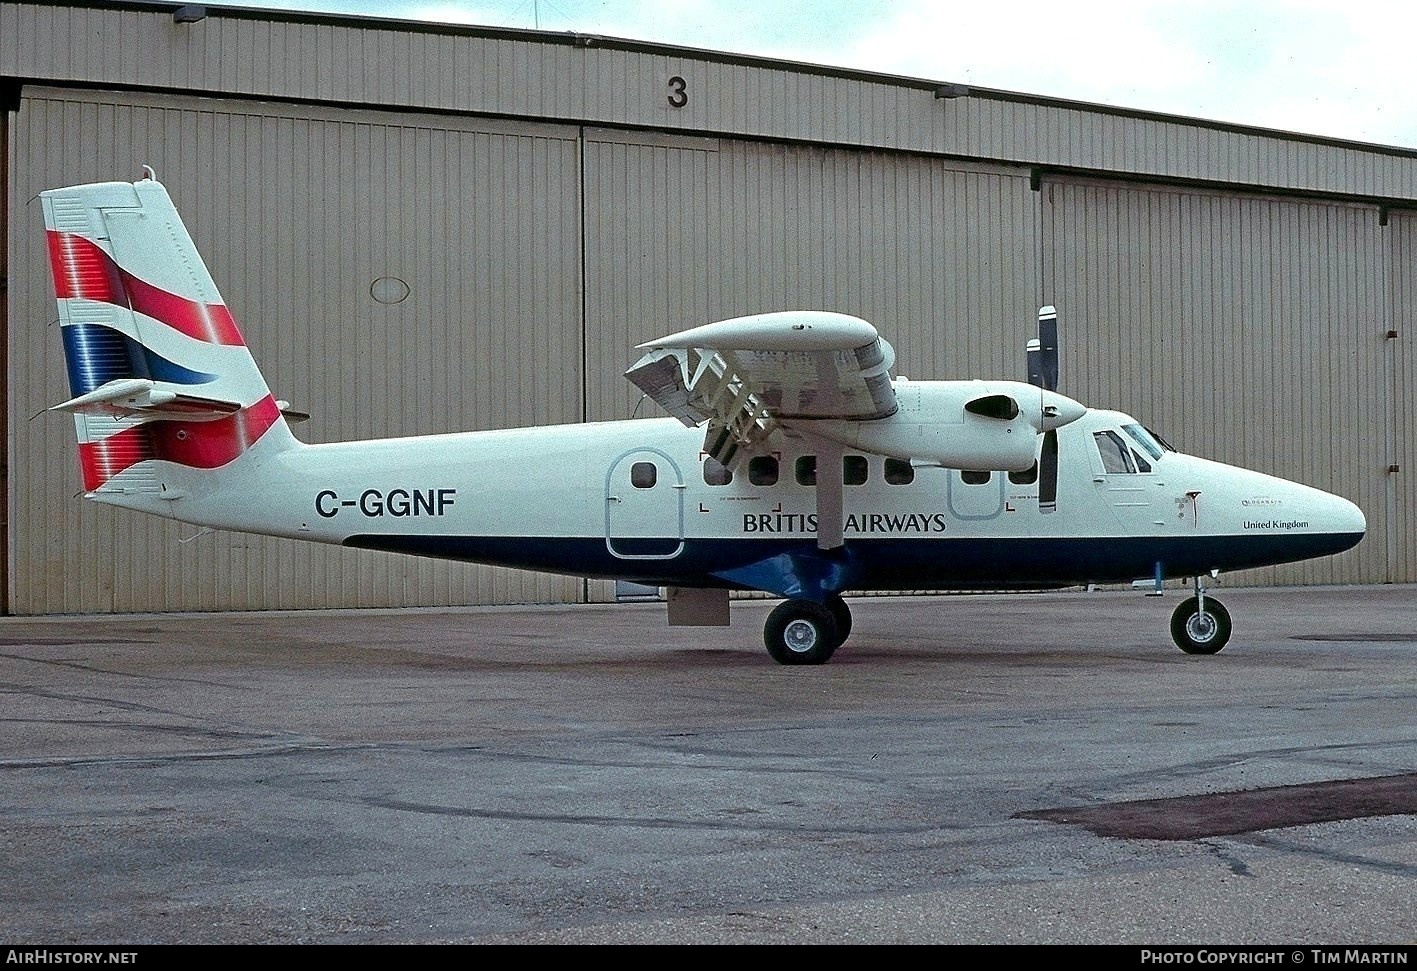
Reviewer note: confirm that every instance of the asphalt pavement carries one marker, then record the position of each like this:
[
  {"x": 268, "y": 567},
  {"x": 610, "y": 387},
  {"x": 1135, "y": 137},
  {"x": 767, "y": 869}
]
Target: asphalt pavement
[{"x": 1025, "y": 768}]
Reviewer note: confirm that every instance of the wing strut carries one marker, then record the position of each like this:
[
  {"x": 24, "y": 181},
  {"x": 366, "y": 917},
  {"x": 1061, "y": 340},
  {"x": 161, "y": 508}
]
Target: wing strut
[{"x": 831, "y": 496}]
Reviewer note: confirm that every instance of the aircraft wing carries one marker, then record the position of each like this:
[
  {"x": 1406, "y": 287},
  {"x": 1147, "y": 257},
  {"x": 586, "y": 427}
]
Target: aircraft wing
[{"x": 746, "y": 375}]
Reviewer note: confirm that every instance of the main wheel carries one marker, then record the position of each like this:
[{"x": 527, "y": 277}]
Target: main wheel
[
  {"x": 1200, "y": 633},
  {"x": 841, "y": 613},
  {"x": 801, "y": 632}
]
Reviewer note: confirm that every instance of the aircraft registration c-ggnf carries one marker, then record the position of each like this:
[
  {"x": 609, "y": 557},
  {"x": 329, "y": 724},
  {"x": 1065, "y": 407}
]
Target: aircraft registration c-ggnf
[{"x": 792, "y": 461}]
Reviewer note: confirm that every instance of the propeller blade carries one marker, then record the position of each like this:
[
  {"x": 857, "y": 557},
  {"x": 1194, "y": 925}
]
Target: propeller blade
[
  {"x": 1048, "y": 348},
  {"x": 1035, "y": 363},
  {"x": 1043, "y": 373},
  {"x": 1048, "y": 473}
]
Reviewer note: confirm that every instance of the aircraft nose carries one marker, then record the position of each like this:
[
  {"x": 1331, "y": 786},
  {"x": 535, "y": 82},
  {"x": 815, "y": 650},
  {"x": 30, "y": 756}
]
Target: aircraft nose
[
  {"x": 1345, "y": 516},
  {"x": 1059, "y": 410},
  {"x": 1341, "y": 521}
]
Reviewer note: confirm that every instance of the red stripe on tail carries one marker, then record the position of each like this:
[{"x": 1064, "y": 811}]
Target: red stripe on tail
[
  {"x": 196, "y": 444},
  {"x": 101, "y": 460},
  {"x": 212, "y": 444},
  {"x": 210, "y": 322},
  {"x": 82, "y": 269}
]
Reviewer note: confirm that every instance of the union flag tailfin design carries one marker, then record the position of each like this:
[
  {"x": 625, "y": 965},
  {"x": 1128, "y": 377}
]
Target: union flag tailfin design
[{"x": 158, "y": 369}]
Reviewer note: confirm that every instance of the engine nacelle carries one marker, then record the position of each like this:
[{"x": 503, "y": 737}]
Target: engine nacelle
[{"x": 983, "y": 425}]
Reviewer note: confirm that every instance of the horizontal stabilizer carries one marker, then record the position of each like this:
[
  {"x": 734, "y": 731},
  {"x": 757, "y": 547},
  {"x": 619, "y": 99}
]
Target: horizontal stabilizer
[
  {"x": 141, "y": 395},
  {"x": 289, "y": 413}
]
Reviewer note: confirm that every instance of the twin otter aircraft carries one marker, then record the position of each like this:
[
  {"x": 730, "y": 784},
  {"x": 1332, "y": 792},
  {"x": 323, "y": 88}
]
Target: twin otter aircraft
[{"x": 793, "y": 462}]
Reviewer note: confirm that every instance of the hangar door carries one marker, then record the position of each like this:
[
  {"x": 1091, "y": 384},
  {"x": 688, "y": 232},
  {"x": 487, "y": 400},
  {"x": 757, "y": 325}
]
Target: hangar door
[
  {"x": 941, "y": 256},
  {"x": 1245, "y": 329},
  {"x": 1401, "y": 341},
  {"x": 393, "y": 275}
]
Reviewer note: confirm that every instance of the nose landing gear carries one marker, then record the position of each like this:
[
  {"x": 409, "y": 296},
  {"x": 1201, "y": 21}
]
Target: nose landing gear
[{"x": 1200, "y": 624}]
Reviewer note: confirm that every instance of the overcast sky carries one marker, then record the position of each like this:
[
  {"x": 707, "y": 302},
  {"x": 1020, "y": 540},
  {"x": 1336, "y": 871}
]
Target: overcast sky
[{"x": 1342, "y": 69}]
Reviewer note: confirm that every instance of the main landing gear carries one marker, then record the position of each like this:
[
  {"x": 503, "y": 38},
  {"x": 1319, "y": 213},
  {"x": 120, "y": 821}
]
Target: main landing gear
[
  {"x": 1200, "y": 624},
  {"x": 806, "y": 632}
]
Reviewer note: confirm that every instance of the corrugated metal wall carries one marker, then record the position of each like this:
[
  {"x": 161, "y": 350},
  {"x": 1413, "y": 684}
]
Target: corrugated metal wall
[
  {"x": 1245, "y": 329},
  {"x": 1401, "y": 402},
  {"x": 5, "y": 454},
  {"x": 603, "y": 81},
  {"x": 298, "y": 211},
  {"x": 941, "y": 256}
]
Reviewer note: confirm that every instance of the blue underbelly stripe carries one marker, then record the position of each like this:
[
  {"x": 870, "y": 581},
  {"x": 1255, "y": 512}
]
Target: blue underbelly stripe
[{"x": 889, "y": 564}]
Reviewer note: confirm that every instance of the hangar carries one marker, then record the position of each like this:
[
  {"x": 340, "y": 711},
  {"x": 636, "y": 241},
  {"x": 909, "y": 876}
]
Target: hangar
[{"x": 424, "y": 228}]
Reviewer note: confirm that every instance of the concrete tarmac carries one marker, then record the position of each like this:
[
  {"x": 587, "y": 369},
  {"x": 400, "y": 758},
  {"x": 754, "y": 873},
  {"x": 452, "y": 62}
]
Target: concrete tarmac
[{"x": 588, "y": 775}]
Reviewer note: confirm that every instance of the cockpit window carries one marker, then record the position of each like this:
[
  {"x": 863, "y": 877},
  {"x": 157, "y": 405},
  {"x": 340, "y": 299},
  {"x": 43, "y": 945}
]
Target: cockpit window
[
  {"x": 1153, "y": 446},
  {"x": 1116, "y": 457}
]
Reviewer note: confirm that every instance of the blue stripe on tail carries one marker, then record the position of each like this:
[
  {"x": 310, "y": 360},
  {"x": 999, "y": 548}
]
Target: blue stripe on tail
[{"x": 97, "y": 354}]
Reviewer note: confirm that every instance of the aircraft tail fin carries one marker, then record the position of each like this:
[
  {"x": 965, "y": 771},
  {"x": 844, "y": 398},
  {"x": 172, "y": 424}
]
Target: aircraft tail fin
[{"x": 158, "y": 370}]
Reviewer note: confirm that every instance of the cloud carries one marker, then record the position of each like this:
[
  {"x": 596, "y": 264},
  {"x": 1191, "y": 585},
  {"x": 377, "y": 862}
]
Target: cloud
[{"x": 1297, "y": 65}]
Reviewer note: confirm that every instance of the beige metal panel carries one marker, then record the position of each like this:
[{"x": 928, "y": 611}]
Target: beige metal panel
[
  {"x": 647, "y": 248},
  {"x": 1402, "y": 399},
  {"x": 298, "y": 212},
  {"x": 941, "y": 257},
  {"x": 1244, "y": 329},
  {"x": 603, "y": 83}
]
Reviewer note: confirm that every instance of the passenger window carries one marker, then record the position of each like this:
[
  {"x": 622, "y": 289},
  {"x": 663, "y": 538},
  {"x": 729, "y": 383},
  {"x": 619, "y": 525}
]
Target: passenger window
[
  {"x": 806, "y": 470},
  {"x": 643, "y": 475},
  {"x": 973, "y": 477},
  {"x": 899, "y": 472},
  {"x": 716, "y": 473},
  {"x": 762, "y": 470},
  {"x": 854, "y": 469},
  {"x": 1116, "y": 457},
  {"x": 1027, "y": 477}
]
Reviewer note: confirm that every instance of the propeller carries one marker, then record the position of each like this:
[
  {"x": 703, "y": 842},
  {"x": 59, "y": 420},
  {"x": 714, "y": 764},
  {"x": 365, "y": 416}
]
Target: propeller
[
  {"x": 1043, "y": 372},
  {"x": 1048, "y": 348}
]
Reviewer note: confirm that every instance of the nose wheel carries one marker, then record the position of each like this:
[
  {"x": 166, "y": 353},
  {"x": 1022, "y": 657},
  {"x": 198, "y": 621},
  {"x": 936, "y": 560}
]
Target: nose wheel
[{"x": 1200, "y": 625}]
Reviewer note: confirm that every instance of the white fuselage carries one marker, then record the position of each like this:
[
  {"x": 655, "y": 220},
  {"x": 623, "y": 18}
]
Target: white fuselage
[{"x": 630, "y": 499}]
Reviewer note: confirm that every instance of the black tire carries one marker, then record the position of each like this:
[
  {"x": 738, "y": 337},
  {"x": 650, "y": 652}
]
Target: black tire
[
  {"x": 841, "y": 613},
  {"x": 1195, "y": 633},
  {"x": 801, "y": 632}
]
